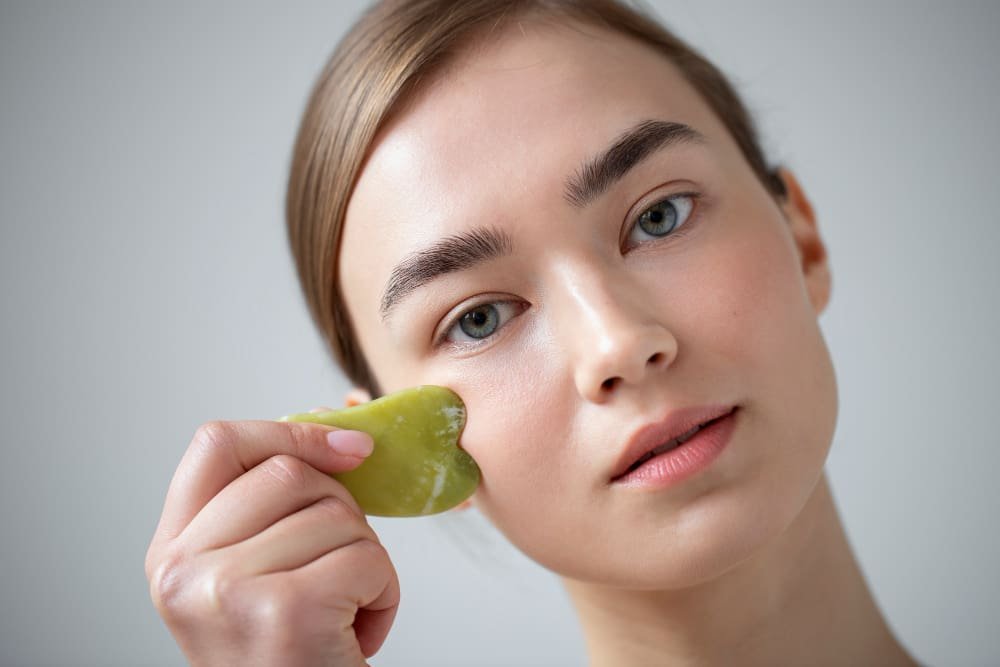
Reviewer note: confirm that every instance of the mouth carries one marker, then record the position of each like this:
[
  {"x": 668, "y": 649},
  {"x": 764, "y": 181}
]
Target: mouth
[
  {"x": 651, "y": 434},
  {"x": 671, "y": 444}
]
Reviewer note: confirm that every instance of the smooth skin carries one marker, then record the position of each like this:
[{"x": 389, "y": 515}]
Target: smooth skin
[
  {"x": 262, "y": 558},
  {"x": 746, "y": 563},
  {"x": 602, "y": 330}
]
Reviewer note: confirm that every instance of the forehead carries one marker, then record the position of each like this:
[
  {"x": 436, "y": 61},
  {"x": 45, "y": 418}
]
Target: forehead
[{"x": 516, "y": 117}]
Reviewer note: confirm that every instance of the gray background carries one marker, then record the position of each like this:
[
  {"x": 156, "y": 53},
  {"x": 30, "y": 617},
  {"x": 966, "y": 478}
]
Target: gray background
[{"x": 146, "y": 287}]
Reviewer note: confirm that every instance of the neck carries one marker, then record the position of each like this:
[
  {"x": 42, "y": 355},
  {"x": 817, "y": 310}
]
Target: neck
[{"x": 801, "y": 600}]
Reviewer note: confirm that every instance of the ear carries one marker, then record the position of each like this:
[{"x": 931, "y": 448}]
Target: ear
[
  {"x": 811, "y": 250},
  {"x": 356, "y": 396}
]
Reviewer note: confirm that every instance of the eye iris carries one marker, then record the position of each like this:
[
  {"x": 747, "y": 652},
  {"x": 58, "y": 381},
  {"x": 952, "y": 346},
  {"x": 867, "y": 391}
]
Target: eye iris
[
  {"x": 480, "y": 322},
  {"x": 659, "y": 219}
]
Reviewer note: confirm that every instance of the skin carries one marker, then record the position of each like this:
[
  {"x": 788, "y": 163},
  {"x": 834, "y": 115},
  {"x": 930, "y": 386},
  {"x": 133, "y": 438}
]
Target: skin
[
  {"x": 747, "y": 562},
  {"x": 262, "y": 558}
]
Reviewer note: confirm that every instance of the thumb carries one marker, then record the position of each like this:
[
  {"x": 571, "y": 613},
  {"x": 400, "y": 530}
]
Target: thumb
[{"x": 356, "y": 444}]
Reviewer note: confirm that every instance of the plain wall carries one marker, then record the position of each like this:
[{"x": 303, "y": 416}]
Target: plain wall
[{"x": 146, "y": 287}]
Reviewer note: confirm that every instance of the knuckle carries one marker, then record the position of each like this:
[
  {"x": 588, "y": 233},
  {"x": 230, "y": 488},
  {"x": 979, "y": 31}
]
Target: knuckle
[
  {"x": 368, "y": 552},
  {"x": 168, "y": 581},
  {"x": 341, "y": 492},
  {"x": 277, "y": 609},
  {"x": 349, "y": 498},
  {"x": 345, "y": 509},
  {"x": 220, "y": 590},
  {"x": 183, "y": 591},
  {"x": 288, "y": 470},
  {"x": 370, "y": 558},
  {"x": 301, "y": 437},
  {"x": 337, "y": 509},
  {"x": 215, "y": 435}
]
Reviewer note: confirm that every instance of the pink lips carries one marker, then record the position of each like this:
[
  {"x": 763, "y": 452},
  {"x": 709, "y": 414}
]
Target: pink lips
[{"x": 677, "y": 423}]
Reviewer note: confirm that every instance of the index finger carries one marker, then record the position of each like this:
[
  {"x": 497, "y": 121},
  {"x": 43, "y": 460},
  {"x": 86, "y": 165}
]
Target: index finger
[{"x": 221, "y": 451}]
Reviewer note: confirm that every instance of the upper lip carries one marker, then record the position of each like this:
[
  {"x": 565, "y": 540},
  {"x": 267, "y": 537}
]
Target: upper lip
[{"x": 650, "y": 436}]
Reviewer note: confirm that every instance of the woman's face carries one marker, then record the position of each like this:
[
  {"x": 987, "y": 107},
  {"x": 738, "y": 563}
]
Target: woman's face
[{"x": 567, "y": 321}]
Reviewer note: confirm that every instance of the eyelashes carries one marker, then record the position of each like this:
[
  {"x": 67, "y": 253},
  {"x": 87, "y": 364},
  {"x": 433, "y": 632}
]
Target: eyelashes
[
  {"x": 660, "y": 219},
  {"x": 665, "y": 219},
  {"x": 482, "y": 321}
]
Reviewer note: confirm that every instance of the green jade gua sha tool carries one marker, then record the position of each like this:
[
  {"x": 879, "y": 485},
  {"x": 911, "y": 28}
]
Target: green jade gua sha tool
[{"x": 416, "y": 468}]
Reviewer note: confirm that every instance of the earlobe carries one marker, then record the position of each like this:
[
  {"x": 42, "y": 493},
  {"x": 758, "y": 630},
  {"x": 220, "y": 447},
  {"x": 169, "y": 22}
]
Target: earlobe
[
  {"x": 356, "y": 396},
  {"x": 812, "y": 252}
]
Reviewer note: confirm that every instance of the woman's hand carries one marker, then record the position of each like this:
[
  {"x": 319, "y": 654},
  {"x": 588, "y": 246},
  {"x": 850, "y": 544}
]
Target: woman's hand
[{"x": 262, "y": 558}]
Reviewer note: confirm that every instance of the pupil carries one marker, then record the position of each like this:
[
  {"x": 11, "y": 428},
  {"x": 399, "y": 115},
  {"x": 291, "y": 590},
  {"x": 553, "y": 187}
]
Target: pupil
[
  {"x": 481, "y": 322},
  {"x": 659, "y": 220}
]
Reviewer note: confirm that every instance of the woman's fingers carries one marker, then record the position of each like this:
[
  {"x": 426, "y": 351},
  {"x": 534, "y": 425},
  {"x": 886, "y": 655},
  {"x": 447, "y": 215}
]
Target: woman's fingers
[
  {"x": 261, "y": 557},
  {"x": 336, "y": 610},
  {"x": 302, "y": 537},
  {"x": 222, "y": 451},
  {"x": 282, "y": 486},
  {"x": 362, "y": 575}
]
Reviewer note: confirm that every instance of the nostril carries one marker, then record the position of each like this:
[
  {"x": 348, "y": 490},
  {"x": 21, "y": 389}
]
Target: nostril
[
  {"x": 655, "y": 359},
  {"x": 609, "y": 384}
]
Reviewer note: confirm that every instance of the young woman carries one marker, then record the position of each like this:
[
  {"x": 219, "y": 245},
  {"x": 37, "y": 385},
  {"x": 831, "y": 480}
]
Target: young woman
[{"x": 560, "y": 211}]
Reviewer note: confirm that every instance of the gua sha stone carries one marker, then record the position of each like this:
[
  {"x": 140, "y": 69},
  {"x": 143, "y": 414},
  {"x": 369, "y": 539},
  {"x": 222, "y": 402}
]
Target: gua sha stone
[{"x": 416, "y": 468}]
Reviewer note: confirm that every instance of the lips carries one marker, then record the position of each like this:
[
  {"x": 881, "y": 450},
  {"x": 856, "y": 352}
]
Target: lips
[{"x": 657, "y": 437}]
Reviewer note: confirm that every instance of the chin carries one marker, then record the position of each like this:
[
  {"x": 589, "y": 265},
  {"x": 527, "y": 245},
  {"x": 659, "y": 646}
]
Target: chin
[{"x": 706, "y": 541}]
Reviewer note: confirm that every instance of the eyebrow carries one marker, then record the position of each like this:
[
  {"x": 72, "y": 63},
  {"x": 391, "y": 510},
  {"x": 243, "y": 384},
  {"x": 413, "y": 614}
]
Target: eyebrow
[
  {"x": 633, "y": 146},
  {"x": 594, "y": 178},
  {"x": 450, "y": 254}
]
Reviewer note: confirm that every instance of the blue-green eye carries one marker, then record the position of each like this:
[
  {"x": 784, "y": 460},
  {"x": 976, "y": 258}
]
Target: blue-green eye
[
  {"x": 482, "y": 321},
  {"x": 661, "y": 218}
]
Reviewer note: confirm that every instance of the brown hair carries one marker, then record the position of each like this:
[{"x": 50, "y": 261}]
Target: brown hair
[{"x": 383, "y": 58}]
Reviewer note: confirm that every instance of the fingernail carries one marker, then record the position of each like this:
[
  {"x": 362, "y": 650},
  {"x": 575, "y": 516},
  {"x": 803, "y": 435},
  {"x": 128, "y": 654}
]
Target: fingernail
[{"x": 350, "y": 443}]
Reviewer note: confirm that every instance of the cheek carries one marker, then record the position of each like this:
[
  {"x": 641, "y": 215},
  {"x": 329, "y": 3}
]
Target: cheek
[
  {"x": 512, "y": 427},
  {"x": 521, "y": 431},
  {"x": 755, "y": 299},
  {"x": 768, "y": 331}
]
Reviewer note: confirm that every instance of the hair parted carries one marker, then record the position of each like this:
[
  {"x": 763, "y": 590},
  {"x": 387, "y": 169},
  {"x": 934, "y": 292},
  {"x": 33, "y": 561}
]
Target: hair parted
[{"x": 381, "y": 60}]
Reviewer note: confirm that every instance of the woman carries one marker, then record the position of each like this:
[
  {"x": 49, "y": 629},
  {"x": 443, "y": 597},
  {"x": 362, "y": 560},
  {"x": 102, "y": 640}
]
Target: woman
[{"x": 560, "y": 211}]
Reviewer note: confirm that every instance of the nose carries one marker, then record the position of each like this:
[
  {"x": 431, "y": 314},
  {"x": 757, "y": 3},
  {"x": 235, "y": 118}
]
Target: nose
[{"x": 620, "y": 341}]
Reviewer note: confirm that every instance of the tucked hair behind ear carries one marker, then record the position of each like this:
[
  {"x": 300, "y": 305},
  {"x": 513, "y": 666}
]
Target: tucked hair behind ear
[{"x": 381, "y": 60}]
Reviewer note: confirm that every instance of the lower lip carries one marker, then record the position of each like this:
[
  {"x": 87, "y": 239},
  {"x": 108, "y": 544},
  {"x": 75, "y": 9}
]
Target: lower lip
[{"x": 685, "y": 461}]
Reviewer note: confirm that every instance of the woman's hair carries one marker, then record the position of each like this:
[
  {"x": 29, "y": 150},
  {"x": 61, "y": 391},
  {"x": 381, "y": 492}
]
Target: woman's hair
[{"x": 382, "y": 60}]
